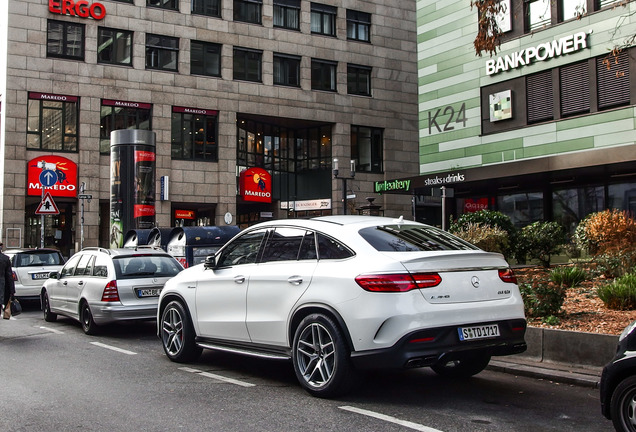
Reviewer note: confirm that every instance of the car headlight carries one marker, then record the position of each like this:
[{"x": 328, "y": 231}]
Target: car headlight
[{"x": 627, "y": 330}]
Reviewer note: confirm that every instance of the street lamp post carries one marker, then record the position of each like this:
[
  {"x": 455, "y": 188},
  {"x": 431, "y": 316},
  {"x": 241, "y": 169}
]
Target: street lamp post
[{"x": 352, "y": 173}]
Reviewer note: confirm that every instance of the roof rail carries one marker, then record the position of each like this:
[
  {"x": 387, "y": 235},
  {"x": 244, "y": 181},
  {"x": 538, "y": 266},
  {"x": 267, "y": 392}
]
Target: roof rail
[
  {"x": 97, "y": 248},
  {"x": 152, "y": 247}
]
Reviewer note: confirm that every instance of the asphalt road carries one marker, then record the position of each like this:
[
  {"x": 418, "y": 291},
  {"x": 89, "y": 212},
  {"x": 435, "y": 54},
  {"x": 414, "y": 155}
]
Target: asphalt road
[{"x": 55, "y": 378}]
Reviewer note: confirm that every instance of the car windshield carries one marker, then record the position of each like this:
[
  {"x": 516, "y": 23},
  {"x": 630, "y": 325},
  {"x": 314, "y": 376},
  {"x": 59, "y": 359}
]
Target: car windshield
[
  {"x": 129, "y": 267},
  {"x": 409, "y": 238},
  {"x": 36, "y": 258}
]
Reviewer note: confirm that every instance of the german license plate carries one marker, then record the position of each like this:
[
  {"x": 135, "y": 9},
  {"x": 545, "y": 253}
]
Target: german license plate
[
  {"x": 478, "y": 332},
  {"x": 148, "y": 292},
  {"x": 37, "y": 276}
]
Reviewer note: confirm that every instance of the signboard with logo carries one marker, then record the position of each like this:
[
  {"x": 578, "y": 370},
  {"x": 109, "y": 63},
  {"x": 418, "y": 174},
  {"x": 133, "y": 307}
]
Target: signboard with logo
[
  {"x": 184, "y": 214},
  {"x": 81, "y": 8},
  {"x": 255, "y": 184},
  {"x": 59, "y": 176}
]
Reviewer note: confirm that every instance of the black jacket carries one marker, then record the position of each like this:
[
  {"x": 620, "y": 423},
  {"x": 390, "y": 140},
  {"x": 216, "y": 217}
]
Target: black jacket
[{"x": 6, "y": 282}]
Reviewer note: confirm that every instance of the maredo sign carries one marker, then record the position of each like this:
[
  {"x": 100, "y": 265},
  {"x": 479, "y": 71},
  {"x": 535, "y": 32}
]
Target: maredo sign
[
  {"x": 65, "y": 170},
  {"x": 81, "y": 8},
  {"x": 256, "y": 185}
]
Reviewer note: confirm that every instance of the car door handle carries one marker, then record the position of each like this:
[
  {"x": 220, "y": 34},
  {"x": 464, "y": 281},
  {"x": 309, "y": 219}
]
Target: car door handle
[
  {"x": 239, "y": 279},
  {"x": 80, "y": 283},
  {"x": 295, "y": 280},
  {"x": 65, "y": 283}
]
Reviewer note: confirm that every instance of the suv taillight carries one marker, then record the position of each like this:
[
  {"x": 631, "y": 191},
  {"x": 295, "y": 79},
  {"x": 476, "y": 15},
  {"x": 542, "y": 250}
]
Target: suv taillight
[
  {"x": 15, "y": 276},
  {"x": 398, "y": 282},
  {"x": 110, "y": 293},
  {"x": 507, "y": 275}
]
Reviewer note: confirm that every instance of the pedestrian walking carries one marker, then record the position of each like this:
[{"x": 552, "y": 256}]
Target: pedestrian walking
[{"x": 7, "y": 286}]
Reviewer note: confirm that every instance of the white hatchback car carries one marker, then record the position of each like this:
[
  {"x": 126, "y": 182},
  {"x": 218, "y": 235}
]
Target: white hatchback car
[
  {"x": 31, "y": 267},
  {"x": 100, "y": 286},
  {"x": 343, "y": 292}
]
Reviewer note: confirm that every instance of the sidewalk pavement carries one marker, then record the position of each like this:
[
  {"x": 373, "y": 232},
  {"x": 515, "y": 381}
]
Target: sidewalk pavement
[{"x": 584, "y": 376}]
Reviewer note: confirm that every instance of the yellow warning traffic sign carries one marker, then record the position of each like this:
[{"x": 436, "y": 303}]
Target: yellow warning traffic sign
[{"x": 47, "y": 206}]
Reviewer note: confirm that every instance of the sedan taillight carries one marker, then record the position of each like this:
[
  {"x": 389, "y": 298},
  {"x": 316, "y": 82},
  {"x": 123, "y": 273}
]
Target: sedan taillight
[
  {"x": 110, "y": 293},
  {"x": 507, "y": 275},
  {"x": 398, "y": 282},
  {"x": 15, "y": 276}
]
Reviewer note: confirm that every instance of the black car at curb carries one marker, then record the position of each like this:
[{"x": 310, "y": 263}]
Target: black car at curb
[{"x": 618, "y": 383}]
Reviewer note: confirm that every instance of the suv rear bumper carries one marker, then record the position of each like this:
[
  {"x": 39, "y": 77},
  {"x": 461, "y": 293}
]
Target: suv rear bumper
[{"x": 432, "y": 346}]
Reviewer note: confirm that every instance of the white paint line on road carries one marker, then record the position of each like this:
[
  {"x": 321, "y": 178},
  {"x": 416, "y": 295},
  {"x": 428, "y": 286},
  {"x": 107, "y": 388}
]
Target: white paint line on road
[
  {"x": 110, "y": 347},
  {"x": 218, "y": 377},
  {"x": 390, "y": 419},
  {"x": 51, "y": 330}
]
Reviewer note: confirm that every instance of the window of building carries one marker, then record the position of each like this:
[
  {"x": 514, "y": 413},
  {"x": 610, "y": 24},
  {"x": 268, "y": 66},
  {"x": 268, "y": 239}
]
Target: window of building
[
  {"x": 114, "y": 46},
  {"x": 162, "y": 52},
  {"x": 605, "y": 3},
  {"x": 248, "y": 64},
  {"x": 194, "y": 134},
  {"x": 164, "y": 4},
  {"x": 323, "y": 75},
  {"x": 323, "y": 19},
  {"x": 367, "y": 148},
  {"x": 522, "y": 208},
  {"x": 538, "y": 14},
  {"x": 248, "y": 11},
  {"x": 287, "y": 14},
  {"x": 358, "y": 26},
  {"x": 359, "y": 80},
  {"x": 206, "y": 7},
  {"x": 571, "y": 9},
  {"x": 205, "y": 58},
  {"x": 65, "y": 39},
  {"x": 52, "y": 122},
  {"x": 575, "y": 89},
  {"x": 286, "y": 70},
  {"x": 570, "y": 206},
  {"x": 116, "y": 115},
  {"x": 539, "y": 97},
  {"x": 612, "y": 76},
  {"x": 622, "y": 196}
]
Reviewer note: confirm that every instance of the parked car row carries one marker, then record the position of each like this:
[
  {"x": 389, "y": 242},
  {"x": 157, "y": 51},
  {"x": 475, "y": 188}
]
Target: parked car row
[{"x": 332, "y": 295}]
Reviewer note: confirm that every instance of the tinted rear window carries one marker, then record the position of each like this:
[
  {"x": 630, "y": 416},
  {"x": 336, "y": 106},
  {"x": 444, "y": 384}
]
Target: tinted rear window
[
  {"x": 408, "y": 238},
  {"x": 139, "y": 266},
  {"x": 36, "y": 258}
]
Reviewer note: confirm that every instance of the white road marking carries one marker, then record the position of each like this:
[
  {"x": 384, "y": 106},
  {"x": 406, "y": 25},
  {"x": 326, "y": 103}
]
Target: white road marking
[
  {"x": 390, "y": 419},
  {"x": 218, "y": 377},
  {"x": 51, "y": 330},
  {"x": 110, "y": 347}
]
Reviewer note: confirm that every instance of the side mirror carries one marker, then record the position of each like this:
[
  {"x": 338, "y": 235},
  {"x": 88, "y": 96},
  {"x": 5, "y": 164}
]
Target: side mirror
[
  {"x": 54, "y": 275},
  {"x": 210, "y": 262}
]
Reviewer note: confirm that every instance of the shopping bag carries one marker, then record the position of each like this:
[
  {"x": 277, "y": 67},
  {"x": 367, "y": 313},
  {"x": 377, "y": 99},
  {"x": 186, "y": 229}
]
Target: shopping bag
[
  {"x": 16, "y": 307},
  {"x": 7, "y": 311}
]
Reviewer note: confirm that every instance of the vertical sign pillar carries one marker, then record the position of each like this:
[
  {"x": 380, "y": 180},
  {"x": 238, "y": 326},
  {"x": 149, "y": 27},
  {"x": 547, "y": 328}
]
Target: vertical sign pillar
[{"x": 132, "y": 182}]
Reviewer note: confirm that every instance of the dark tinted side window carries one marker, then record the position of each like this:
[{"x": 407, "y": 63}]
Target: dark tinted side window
[
  {"x": 243, "y": 250},
  {"x": 329, "y": 248},
  {"x": 283, "y": 244},
  {"x": 408, "y": 238}
]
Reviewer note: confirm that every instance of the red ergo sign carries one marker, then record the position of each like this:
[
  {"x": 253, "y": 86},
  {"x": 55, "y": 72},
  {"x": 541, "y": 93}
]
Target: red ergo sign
[{"x": 80, "y": 8}]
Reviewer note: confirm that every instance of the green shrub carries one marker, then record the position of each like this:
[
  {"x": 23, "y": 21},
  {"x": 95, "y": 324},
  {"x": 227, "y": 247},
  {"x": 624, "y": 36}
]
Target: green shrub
[
  {"x": 543, "y": 239},
  {"x": 487, "y": 218},
  {"x": 488, "y": 238},
  {"x": 620, "y": 294},
  {"x": 568, "y": 276},
  {"x": 615, "y": 263},
  {"x": 542, "y": 298}
]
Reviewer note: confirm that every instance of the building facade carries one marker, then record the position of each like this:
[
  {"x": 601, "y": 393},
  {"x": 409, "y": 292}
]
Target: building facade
[
  {"x": 542, "y": 130},
  {"x": 237, "y": 93}
]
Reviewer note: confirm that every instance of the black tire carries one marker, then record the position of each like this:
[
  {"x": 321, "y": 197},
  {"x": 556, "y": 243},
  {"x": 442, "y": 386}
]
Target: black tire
[
  {"x": 86, "y": 318},
  {"x": 465, "y": 367},
  {"x": 623, "y": 405},
  {"x": 177, "y": 334},
  {"x": 321, "y": 357},
  {"x": 46, "y": 308}
]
